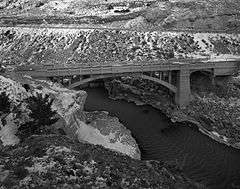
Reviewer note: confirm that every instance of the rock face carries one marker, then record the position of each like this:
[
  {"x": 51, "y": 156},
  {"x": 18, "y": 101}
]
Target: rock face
[
  {"x": 65, "y": 102},
  {"x": 137, "y": 23},
  {"x": 58, "y": 162},
  {"x": 114, "y": 135},
  {"x": 102, "y": 130},
  {"x": 7, "y": 133}
]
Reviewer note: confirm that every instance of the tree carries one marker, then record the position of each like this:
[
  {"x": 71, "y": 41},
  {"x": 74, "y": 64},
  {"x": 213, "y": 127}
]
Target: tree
[
  {"x": 42, "y": 116},
  {"x": 41, "y": 111},
  {"x": 5, "y": 103}
]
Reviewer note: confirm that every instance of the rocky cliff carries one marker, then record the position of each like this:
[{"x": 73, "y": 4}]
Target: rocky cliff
[
  {"x": 69, "y": 107},
  {"x": 59, "y": 161}
]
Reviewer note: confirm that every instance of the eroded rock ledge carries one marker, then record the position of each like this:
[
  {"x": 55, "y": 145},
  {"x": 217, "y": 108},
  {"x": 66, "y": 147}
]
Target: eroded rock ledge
[{"x": 101, "y": 129}]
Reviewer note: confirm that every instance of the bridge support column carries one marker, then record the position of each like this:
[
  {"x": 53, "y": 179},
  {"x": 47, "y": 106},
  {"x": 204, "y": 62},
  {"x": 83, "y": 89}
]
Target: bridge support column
[
  {"x": 183, "y": 95},
  {"x": 170, "y": 77}
]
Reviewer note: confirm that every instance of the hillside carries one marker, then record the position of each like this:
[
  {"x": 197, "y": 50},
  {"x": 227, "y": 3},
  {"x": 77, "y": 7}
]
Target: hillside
[
  {"x": 204, "y": 15},
  {"x": 94, "y": 47},
  {"x": 57, "y": 162},
  {"x": 80, "y": 150}
]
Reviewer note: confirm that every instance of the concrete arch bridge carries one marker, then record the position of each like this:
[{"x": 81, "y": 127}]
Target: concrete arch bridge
[{"x": 173, "y": 75}]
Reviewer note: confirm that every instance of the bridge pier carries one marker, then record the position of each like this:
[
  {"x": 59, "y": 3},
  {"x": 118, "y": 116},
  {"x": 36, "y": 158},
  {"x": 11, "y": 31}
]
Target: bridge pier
[
  {"x": 183, "y": 94},
  {"x": 170, "y": 77}
]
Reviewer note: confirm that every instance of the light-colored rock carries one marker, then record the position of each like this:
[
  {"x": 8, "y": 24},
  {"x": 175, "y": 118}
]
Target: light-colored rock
[
  {"x": 69, "y": 107},
  {"x": 65, "y": 102},
  {"x": 3, "y": 174},
  {"x": 7, "y": 133},
  {"x": 136, "y": 23},
  {"x": 110, "y": 133}
]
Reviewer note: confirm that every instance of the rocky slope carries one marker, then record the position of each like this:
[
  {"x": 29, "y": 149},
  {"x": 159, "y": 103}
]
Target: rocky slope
[
  {"x": 43, "y": 48},
  {"x": 213, "y": 108},
  {"x": 102, "y": 130},
  {"x": 216, "y": 109},
  {"x": 57, "y": 162},
  {"x": 211, "y": 15}
]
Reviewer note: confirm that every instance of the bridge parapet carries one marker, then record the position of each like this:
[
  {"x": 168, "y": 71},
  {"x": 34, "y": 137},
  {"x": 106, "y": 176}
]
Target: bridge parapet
[
  {"x": 226, "y": 68},
  {"x": 48, "y": 71}
]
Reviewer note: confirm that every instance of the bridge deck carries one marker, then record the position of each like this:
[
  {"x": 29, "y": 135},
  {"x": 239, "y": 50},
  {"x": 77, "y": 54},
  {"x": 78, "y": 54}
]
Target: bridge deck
[{"x": 220, "y": 68}]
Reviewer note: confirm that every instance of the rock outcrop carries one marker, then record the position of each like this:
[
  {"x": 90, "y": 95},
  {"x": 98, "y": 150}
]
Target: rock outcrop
[
  {"x": 102, "y": 130},
  {"x": 65, "y": 101}
]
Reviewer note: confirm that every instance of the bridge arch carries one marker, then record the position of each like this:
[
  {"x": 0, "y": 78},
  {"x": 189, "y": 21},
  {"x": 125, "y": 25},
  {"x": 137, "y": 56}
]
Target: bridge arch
[
  {"x": 161, "y": 82},
  {"x": 204, "y": 71},
  {"x": 93, "y": 78},
  {"x": 142, "y": 76}
]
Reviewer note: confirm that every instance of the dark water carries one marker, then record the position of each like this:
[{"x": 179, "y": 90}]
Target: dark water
[{"x": 204, "y": 160}]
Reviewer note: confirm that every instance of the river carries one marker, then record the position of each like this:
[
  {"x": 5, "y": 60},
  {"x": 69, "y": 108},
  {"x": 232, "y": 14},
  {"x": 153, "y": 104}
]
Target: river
[{"x": 204, "y": 160}]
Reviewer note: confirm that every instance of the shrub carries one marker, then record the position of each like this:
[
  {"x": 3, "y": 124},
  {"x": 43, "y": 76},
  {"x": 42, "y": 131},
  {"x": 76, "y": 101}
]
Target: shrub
[
  {"x": 5, "y": 103},
  {"x": 42, "y": 116},
  {"x": 41, "y": 111}
]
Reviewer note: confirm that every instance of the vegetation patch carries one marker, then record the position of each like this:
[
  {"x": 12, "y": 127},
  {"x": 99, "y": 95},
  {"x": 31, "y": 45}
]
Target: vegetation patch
[
  {"x": 67, "y": 164},
  {"x": 41, "y": 116}
]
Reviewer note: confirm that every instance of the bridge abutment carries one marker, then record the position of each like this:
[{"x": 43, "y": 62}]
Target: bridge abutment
[{"x": 183, "y": 94}]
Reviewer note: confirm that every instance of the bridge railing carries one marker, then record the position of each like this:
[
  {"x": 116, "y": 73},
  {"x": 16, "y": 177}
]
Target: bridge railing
[
  {"x": 110, "y": 63},
  {"x": 77, "y": 69}
]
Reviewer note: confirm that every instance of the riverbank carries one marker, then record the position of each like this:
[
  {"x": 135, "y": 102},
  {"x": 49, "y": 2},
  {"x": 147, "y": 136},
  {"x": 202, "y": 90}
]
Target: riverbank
[
  {"x": 89, "y": 158},
  {"x": 97, "y": 128},
  {"x": 209, "y": 112},
  {"x": 201, "y": 158}
]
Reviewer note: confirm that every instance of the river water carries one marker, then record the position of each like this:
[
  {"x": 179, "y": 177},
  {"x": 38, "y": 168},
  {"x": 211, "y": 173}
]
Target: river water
[{"x": 203, "y": 159}]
